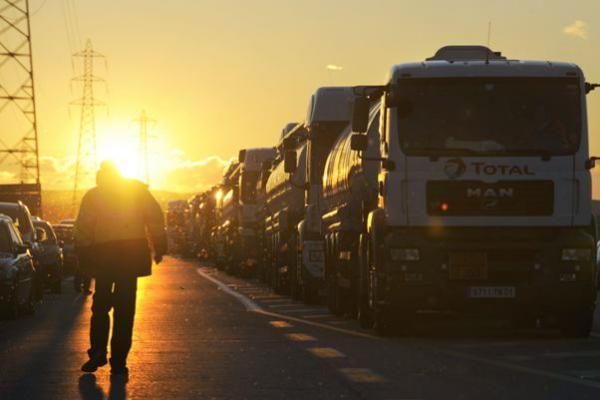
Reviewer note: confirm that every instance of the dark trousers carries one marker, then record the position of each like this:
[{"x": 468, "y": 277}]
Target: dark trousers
[{"x": 118, "y": 294}]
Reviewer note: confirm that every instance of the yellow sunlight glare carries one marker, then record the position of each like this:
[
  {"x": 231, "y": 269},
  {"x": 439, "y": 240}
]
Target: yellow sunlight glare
[{"x": 124, "y": 150}]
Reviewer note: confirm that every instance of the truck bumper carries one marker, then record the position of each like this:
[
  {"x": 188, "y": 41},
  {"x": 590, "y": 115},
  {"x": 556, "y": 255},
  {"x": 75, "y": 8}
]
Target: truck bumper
[{"x": 494, "y": 274}]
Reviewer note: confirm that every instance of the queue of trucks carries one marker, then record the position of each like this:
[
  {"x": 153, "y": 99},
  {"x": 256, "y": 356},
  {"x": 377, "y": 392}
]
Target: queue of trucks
[{"x": 462, "y": 184}]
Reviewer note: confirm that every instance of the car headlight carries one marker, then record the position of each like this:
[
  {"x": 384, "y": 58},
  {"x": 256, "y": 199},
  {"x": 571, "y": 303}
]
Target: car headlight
[
  {"x": 405, "y": 254},
  {"x": 576, "y": 255}
]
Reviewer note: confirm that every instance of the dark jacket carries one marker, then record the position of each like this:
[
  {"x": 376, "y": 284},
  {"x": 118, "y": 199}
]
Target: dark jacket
[{"x": 119, "y": 221}]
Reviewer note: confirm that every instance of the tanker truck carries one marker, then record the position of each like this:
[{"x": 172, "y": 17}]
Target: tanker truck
[
  {"x": 225, "y": 230},
  {"x": 349, "y": 191},
  {"x": 285, "y": 208},
  {"x": 251, "y": 219},
  {"x": 329, "y": 112},
  {"x": 483, "y": 192}
]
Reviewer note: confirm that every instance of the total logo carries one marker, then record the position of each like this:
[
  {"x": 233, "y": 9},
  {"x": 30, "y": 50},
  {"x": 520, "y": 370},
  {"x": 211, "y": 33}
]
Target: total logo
[{"x": 456, "y": 167}]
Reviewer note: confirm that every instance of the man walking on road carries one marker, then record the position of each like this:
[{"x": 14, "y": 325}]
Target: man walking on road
[{"x": 117, "y": 221}]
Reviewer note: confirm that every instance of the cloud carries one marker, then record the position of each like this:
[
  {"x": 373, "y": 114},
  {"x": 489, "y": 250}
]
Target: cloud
[
  {"x": 333, "y": 67},
  {"x": 577, "y": 29},
  {"x": 174, "y": 173},
  {"x": 184, "y": 175}
]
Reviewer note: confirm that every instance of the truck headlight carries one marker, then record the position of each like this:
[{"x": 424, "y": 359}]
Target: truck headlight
[
  {"x": 576, "y": 255},
  {"x": 405, "y": 254}
]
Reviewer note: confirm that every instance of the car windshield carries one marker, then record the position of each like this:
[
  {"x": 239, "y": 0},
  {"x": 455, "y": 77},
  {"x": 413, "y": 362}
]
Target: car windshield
[
  {"x": 19, "y": 218},
  {"x": 467, "y": 116},
  {"x": 64, "y": 233}
]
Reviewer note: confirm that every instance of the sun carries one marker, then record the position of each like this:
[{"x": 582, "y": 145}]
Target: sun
[{"x": 125, "y": 152}]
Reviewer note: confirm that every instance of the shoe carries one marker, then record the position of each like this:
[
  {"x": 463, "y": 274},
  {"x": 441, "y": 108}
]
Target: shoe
[{"x": 94, "y": 363}]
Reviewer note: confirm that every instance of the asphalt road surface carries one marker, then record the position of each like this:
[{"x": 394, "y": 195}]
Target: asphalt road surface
[{"x": 200, "y": 334}]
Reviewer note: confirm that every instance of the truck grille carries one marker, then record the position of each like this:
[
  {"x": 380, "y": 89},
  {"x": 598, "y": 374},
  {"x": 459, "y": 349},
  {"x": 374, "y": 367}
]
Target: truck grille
[
  {"x": 504, "y": 198},
  {"x": 499, "y": 266}
]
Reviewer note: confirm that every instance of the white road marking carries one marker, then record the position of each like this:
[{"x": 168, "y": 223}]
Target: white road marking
[
  {"x": 361, "y": 375},
  {"x": 326, "y": 352},
  {"x": 300, "y": 337},
  {"x": 253, "y": 307},
  {"x": 249, "y": 304},
  {"x": 281, "y": 324}
]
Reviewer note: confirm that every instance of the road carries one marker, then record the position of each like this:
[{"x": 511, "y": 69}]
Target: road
[{"x": 200, "y": 334}]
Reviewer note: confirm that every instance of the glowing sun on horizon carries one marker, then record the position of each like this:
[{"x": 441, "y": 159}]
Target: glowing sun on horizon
[{"x": 125, "y": 151}]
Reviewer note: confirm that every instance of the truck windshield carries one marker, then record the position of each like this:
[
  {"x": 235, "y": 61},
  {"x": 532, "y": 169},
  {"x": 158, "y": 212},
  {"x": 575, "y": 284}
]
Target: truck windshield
[
  {"x": 248, "y": 186},
  {"x": 470, "y": 116}
]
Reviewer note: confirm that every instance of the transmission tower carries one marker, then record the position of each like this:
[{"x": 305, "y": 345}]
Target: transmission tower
[
  {"x": 18, "y": 121},
  {"x": 144, "y": 122},
  {"x": 86, "y": 163}
]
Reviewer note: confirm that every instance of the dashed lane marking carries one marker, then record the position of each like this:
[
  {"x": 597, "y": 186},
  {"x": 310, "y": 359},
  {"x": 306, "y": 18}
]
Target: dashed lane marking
[
  {"x": 362, "y": 375},
  {"x": 253, "y": 307},
  {"x": 326, "y": 352},
  {"x": 281, "y": 324},
  {"x": 300, "y": 337}
]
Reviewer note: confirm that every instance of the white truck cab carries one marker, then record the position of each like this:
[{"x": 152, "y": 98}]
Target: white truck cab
[{"x": 484, "y": 190}]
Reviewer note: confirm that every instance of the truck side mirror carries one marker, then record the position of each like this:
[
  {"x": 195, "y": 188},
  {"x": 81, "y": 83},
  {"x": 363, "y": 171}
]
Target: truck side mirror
[
  {"x": 591, "y": 162},
  {"x": 589, "y": 87},
  {"x": 290, "y": 162},
  {"x": 359, "y": 142},
  {"x": 360, "y": 114}
]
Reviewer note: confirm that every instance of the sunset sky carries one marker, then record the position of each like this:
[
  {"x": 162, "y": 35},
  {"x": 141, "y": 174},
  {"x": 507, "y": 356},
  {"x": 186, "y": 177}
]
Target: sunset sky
[{"x": 221, "y": 75}]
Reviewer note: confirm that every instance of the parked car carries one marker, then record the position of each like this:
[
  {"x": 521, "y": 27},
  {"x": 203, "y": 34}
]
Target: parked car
[
  {"x": 17, "y": 272},
  {"x": 52, "y": 258},
  {"x": 22, "y": 219},
  {"x": 64, "y": 233}
]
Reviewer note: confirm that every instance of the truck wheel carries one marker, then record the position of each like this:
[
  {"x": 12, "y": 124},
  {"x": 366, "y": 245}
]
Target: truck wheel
[
  {"x": 310, "y": 293},
  {"x": 382, "y": 323},
  {"x": 334, "y": 296},
  {"x": 365, "y": 319},
  {"x": 577, "y": 323}
]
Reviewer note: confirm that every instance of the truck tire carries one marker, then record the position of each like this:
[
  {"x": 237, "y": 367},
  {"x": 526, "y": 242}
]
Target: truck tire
[
  {"x": 364, "y": 313},
  {"x": 334, "y": 296},
  {"x": 577, "y": 323}
]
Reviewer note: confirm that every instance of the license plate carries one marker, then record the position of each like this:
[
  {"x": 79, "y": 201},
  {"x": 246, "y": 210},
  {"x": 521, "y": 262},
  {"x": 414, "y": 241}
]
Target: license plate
[{"x": 492, "y": 292}]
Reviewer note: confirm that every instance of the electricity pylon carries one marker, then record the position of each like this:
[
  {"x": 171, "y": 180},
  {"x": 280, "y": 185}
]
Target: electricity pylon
[
  {"x": 17, "y": 103},
  {"x": 143, "y": 122},
  {"x": 86, "y": 162}
]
